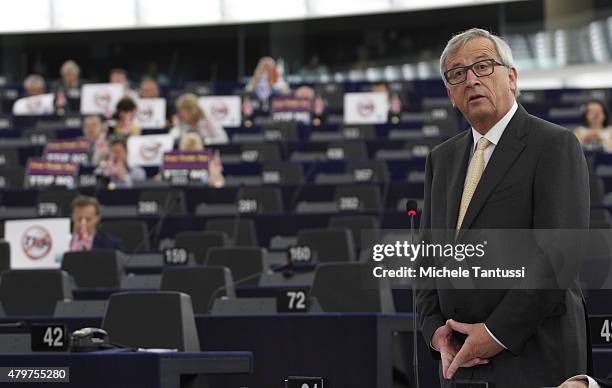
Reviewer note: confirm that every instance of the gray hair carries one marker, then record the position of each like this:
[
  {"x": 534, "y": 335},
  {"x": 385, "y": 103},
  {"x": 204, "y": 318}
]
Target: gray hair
[
  {"x": 461, "y": 39},
  {"x": 34, "y": 80},
  {"x": 70, "y": 65}
]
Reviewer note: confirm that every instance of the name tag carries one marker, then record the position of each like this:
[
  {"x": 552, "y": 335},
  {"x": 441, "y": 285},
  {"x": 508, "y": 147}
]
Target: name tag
[
  {"x": 47, "y": 209},
  {"x": 293, "y": 301},
  {"x": 176, "y": 256},
  {"x": 147, "y": 208},
  {"x": 247, "y": 206},
  {"x": 49, "y": 337},
  {"x": 601, "y": 330},
  {"x": 305, "y": 382}
]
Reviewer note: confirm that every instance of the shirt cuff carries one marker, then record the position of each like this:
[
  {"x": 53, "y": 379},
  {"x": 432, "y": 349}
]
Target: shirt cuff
[
  {"x": 495, "y": 338},
  {"x": 584, "y": 378}
]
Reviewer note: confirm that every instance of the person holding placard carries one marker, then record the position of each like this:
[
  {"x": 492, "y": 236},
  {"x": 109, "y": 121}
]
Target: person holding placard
[
  {"x": 148, "y": 88},
  {"x": 68, "y": 87},
  {"x": 116, "y": 168},
  {"x": 95, "y": 133},
  {"x": 125, "y": 118},
  {"x": 34, "y": 85},
  {"x": 120, "y": 76},
  {"x": 191, "y": 118}
]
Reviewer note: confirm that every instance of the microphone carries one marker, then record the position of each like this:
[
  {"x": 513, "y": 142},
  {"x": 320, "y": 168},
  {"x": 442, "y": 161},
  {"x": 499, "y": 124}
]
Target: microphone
[
  {"x": 300, "y": 188},
  {"x": 245, "y": 279},
  {"x": 411, "y": 211}
]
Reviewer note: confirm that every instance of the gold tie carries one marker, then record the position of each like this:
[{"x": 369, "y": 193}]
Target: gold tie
[{"x": 477, "y": 164}]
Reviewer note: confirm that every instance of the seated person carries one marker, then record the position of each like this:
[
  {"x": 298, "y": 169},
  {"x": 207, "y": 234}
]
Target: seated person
[
  {"x": 191, "y": 118},
  {"x": 116, "y": 168},
  {"x": 588, "y": 382},
  {"x": 95, "y": 133},
  {"x": 85, "y": 233},
  {"x": 125, "y": 123},
  {"x": 595, "y": 132},
  {"x": 34, "y": 85},
  {"x": 266, "y": 82},
  {"x": 68, "y": 87},
  {"x": 149, "y": 88},
  {"x": 120, "y": 76}
]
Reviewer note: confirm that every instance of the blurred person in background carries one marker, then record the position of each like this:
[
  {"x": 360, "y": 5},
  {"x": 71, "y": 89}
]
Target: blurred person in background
[
  {"x": 85, "y": 233},
  {"x": 191, "y": 142},
  {"x": 116, "y": 168},
  {"x": 94, "y": 131},
  {"x": 267, "y": 81},
  {"x": 148, "y": 88},
  {"x": 34, "y": 85},
  {"x": 68, "y": 86},
  {"x": 120, "y": 76},
  {"x": 595, "y": 132},
  {"x": 125, "y": 123},
  {"x": 191, "y": 118}
]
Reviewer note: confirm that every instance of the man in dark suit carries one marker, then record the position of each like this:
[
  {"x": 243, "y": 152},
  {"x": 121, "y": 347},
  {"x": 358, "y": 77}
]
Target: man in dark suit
[
  {"x": 511, "y": 170},
  {"x": 85, "y": 233}
]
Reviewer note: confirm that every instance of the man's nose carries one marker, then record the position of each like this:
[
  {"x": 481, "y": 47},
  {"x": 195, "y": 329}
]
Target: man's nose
[{"x": 472, "y": 79}]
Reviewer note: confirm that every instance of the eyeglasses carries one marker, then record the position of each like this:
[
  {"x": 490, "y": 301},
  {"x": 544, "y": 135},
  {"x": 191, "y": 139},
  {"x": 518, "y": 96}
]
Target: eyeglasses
[{"x": 482, "y": 68}]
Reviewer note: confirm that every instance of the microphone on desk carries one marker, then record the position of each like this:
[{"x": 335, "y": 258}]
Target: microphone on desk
[
  {"x": 155, "y": 231},
  {"x": 298, "y": 190},
  {"x": 411, "y": 212},
  {"x": 287, "y": 266},
  {"x": 13, "y": 324}
]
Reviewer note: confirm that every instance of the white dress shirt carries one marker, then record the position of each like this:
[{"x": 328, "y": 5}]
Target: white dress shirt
[{"x": 586, "y": 379}]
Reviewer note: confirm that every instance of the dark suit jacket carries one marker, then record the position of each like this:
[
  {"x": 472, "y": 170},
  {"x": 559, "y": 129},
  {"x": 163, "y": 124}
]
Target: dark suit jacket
[
  {"x": 605, "y": 383},
  {"x": 536, "y": 178},
  {"x": 106, "y": 241}
]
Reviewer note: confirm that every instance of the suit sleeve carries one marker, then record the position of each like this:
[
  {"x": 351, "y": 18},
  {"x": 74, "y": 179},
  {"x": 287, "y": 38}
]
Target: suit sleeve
[
  {"x": 428, "y": 307},
  {"x": 560, "y": 201},
  {"x": 605, "y": 383}
]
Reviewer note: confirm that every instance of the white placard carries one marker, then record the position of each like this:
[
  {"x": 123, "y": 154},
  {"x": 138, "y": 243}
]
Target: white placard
[
  {"x": 366, "y": 108},
  {"x": 38, "y": 243},
  {"x": 100, "y": 98},
  {"x": 148, "y": 150},
  {"x": 151, "y": 112},
  {"x": 34, "y": 105},
  {"x": 225, "y": 110}
]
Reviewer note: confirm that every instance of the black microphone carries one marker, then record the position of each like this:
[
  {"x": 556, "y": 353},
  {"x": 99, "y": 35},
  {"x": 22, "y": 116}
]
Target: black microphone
[
  {"x": 300, "y": 188},
  {"x": 237, "y": 217},
  {"x": 245, "y": 279},
  {"x": 411, "y": 211}
]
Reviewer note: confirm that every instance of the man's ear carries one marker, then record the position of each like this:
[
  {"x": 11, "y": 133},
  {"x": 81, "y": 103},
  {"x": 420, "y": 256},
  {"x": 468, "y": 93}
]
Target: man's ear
[
  {"x": 450, "y": 97},
  {"x": 513, "y": 78}
]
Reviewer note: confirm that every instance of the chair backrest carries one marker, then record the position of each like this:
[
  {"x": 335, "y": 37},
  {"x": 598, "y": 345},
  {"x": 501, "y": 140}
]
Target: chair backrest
[
  {"x": 332, "y": 244},
  {"x": 12, "y": 177},
  {"x": 285, "y": 173},
  {"x": 596, "y": 188},
  {"x": 5, "y": 255},
  {"x": 34, "y": 291},
  {"x": 133, "y": 234},
  {"x": 268, "y": 199},
  {"x": 202, "y": 284},
  {"x": 171, "y": 201},
  {"x": 240, "y": 231},
  {"x": 357, "y": 224},
  {"x": 8, "y": 157},
  {"x": 242, "y": 261},
  {"x": 346, "y": 287},
  {"x": 58, "y": 199},
  {"x": 261, "y": 152},
  {"x": 199, "y": 243},
  {"x": 160, "y": 319},
  {"x": 94, "y": 269},
  {"x": 368, "y": 195}
]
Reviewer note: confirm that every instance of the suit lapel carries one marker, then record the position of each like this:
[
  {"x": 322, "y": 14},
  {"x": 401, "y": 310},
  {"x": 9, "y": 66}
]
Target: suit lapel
[
  {"x": 506, "y": 151},
  {"x": 456, "y": 178}
]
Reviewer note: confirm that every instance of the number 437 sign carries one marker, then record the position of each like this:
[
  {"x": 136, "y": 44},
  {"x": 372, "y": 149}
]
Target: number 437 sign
[{"x": 305, "y": 382}]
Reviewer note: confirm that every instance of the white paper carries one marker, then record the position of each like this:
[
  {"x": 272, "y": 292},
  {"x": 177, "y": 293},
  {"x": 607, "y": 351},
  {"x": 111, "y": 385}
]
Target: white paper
[
  {"x": 366, "y": 108},
  {"x": 38, "y": 243},
  {"x": 148, "y": 150},
  {"x": 151, "y": 112},
  {"x": 34, "y": 105},
  {"x": 225, "y": 110},
  {"x": 100, "y": 98}
]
